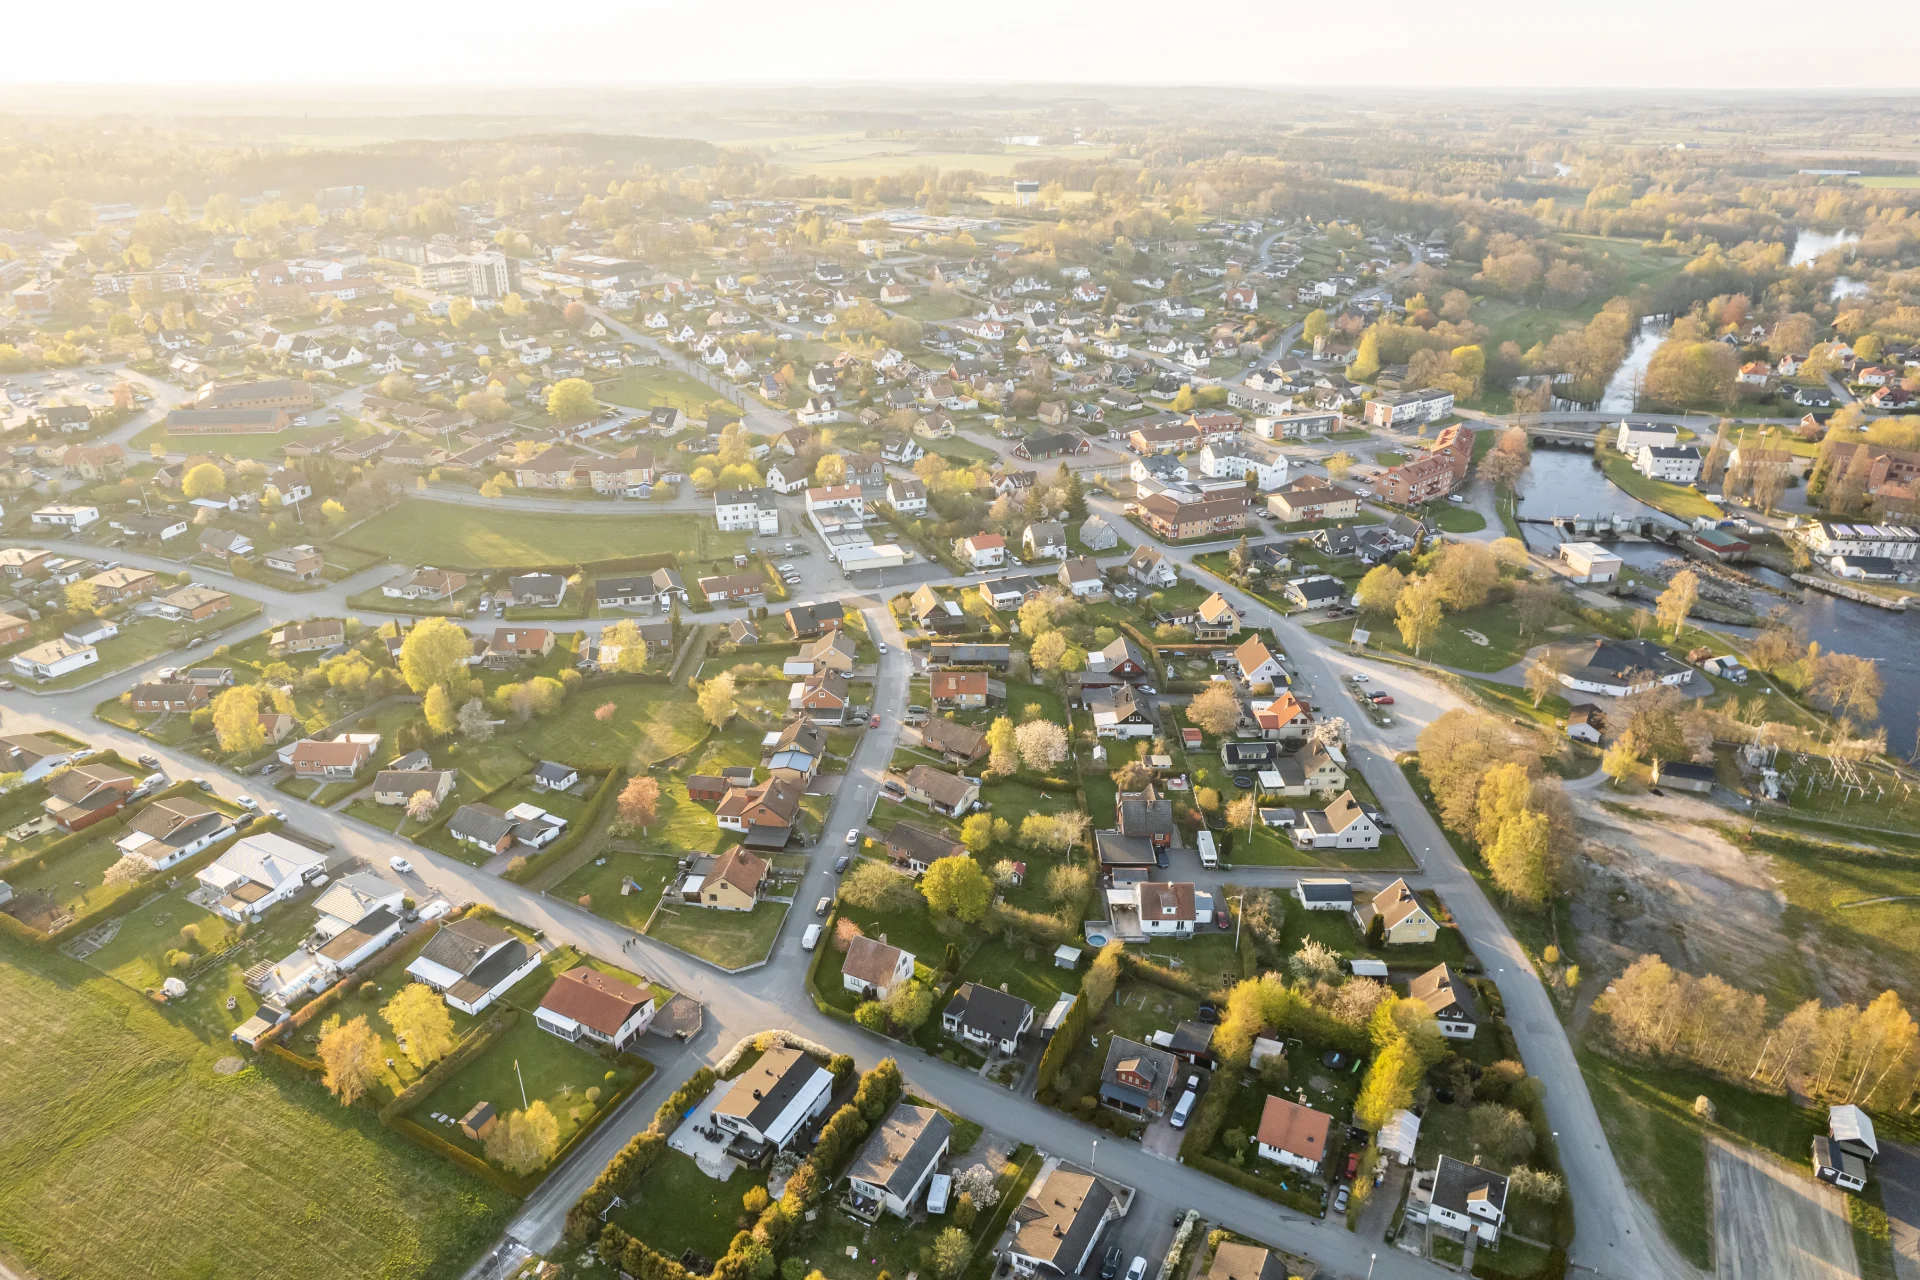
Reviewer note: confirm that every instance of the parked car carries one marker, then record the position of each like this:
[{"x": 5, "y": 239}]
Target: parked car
[
  {"x": 1340, "y": 1200},
  {"x": 269, "y": 768},
  {"x": 278, "y": 813},
  {"x": 248, "y": 803},
  {"x": 400, "y": 864},
  {"x": 1110, "y": 1263},
  {"x": 820, "y": 907},
  {"x": 1137, "y": 1269},
  {"x": 150, "y": 760},
  {"x": 853, "y": 835},
  {"x": 1353, "y": 1166},
  {"x": 883, "y": 646}
]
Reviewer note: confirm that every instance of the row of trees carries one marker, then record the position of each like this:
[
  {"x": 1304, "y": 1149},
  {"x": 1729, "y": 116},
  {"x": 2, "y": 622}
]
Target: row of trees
[{"x": 1826, "y": 1053}]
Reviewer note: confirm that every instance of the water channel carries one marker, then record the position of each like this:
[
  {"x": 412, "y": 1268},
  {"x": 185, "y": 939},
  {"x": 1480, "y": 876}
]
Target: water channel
[
  {"x": 1566, "y": 482},
  {"x": 1808, "y": 245}
]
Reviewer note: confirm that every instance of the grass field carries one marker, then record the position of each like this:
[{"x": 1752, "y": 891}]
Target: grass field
[
  {"x": 597, "y": 887},
  {"x": 1676, "y": 500},
  {"x": 650, "y": 722},
  {"x": 546, "y": 1066},
  {"x": 1457, "y": 519},
  {"x": 1450, "y": 646},
  {"x": 656, "y": 387},
  {"x": 262, "y": 447},
  {"x": 1889, "y": 181},
  {"x": 105, "y": 1102},
  {"x": 730, "y": 939},
  {"x": 678, "y": 1207},
  {"x": 446, "y": 533}
]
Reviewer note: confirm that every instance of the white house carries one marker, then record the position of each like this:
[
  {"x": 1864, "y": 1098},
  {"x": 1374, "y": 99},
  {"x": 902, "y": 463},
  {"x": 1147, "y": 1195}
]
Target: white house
[
  {"x": 1449, "y": 999},
  {"x": 1159, "y": 910},
  {"x": 1293, "y": 1135},
  {"x": 1466, "y": 1198},
  {"x": 746, "y": 510},
  {"x": 982, "y": 550},
  {"x": 837, "y": 497},
  {"x": 1324, "y": 894},
  {"x": 786, "y": 477},
  {"x": 907, "y": 497},
  {"x": 584, "y": 1003},
  {"x": 63, "y": 517},
  {"x": 1620, "y": 667},
  {"x": 770, "y": 1101},
  {"x": 1589, "y": 562},
  {"x": 259, "y": 872},
  {"x": 1061, "y": 1221},
  {"x": 1632, "y": 435},
  {"x": 987, "y": 1018},
  {"x": 1341, "y": 825},
  {"x": 899, "y": 1160},
  {"x": 873, "y": 969},
  {"x": 473, "y": 963},
  {"x": 1676, "y": 464},
  {"x": 54, "y": 658}
]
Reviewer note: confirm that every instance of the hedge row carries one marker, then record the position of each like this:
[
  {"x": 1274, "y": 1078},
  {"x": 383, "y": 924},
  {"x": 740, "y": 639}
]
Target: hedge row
[
  {"x": 588, "y": 819},
  {"x": 813, "y": 969},
  {"x": 182, "y": 870},
  {"x": 334, "y": 994},
  {"x": 1488, "y": 1267},
  {"x": 624, "y": 1171},
  {"x": 422, "y": 1136}
]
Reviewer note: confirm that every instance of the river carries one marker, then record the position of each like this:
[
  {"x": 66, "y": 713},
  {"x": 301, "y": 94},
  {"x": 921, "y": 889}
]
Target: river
[
  {"x": 1565, "y": 482},
  {"x": 1623, "y": 388},
  {"x": 1808, "y": 245}
]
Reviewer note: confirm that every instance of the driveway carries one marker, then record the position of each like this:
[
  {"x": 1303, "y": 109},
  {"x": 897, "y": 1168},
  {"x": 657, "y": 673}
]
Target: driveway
[{"x": 1898, "y": 1169}]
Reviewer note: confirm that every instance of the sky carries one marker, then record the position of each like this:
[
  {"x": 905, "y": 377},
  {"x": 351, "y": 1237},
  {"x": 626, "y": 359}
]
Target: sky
[{"x": 1766, "y": 45}]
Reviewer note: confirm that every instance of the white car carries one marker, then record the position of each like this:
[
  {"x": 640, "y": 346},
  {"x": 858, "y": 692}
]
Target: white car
[
  {"x": 786, "y": 568},
  {"x": 1454, "y": 497},
  {"x": 883, "y": 648},
  {"x": 1365, "y": 493},
  {"x": 1137, "y": 1269},
  {"x": 401, "y": 865},
  {"x": 853, "y": 835},
  {"x": 278, "y": 813},
  {"x": 248, "y": 803}
]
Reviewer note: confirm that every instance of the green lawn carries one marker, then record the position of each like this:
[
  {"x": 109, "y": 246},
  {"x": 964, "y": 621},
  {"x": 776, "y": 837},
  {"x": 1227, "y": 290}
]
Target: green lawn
[
  {"x": 677, "y": 1207},
  {"x": 471, "y": 536},
  {"x": 658, "y": 386},
  {"x": 1455, "y": 518},
  {"x": 1335, "y": 929},
  {"x": 263, "y": 446},
  {"x": 73, "y": 881},
  {"x": 597, "y": 887},
  {"x": 1677, "y": 500},
  {"x": 1450, "y": 646},
  {"x": 142, "y": 639},
  {"x": 729, "y": 939},
  {"x": 544, "y": 1065},
  {"x": 1268, "y": 847},
  {"x": 103, "y": 1099},
  {"x": 650, "y": 722}
]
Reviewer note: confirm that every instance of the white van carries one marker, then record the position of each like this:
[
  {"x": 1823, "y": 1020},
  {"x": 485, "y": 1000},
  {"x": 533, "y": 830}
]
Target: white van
[
  {"x": 811, "y": 938},
  {"x": 1181, "y": 1111},
  {"x": 1209, "y": 854}
]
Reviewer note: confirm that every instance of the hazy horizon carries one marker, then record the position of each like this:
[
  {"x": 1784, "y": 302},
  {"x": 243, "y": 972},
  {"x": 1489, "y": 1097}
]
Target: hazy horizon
[{"x": 1688, "y": 47}]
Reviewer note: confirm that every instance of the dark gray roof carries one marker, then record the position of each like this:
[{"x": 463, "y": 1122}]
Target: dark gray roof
[
  {"x": 1156, "y": 1065},
  {"x": 1340, "y": 891},
  {"x": 899, "y": 1151},
  {"x": 551, "y": 772},
  {"x": 1061, "y": 1216},
  {"x": 1455, "y": 1183},
  {"x": 989, "y": 1011},
  {"x": 480, "y": 822},
  {"x": 1117, "y": 850},
  {"x": 768, "y": 1086},
  {"x": 490, "y": 972},
  {"x": 917, "y": 841},
  {"x": 1146, "y": 818},
  {"x": 462, "y": 944}
]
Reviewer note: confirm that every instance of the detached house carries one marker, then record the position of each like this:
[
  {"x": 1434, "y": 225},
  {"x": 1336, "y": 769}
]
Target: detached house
[
  {"x": 171, "y": 830},
  {"x": 1341, "y": 825},
  {"x": 898, "y": 1161},
  {"x": 1137, "y": 1078},
  {"x": 472, "y": 964},
  {"x": 982, "y": 550},
  {"x": 1406, "y": 920},
  {"x": 1060, "y": 1223},
  {"x": 914, "y": 848},
  {"x": 968, "y": 690},
  {"x": 586, "y": 1004},
  {"x": 1293, "y": 1135},
  {"x": 874, "y": 968},
  {"x": 1445, "y": 993},
  {"x": 83, "y": 795},
  {"x": 986, "y": 1018},
  {"x": 1467, "y": 1198},
  {"x": 732, "y": 881}
]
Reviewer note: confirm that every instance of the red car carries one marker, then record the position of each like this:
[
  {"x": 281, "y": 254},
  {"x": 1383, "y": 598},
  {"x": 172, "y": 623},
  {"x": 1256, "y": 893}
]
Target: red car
[
  {"x": 1382, "y": 699},
  {"x": 1353, "y": 1166},
  {"x": 874, "y": 723}
]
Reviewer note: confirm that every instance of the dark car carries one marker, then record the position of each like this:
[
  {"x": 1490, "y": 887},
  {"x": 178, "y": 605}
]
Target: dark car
[
  {"x": 1110, "y": 1262},
  {"x": 840, "y": 864}
]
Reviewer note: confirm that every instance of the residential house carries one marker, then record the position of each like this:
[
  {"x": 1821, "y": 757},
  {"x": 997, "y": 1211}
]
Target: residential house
[
  {"x": 257, "y": 873},
  {"x": 1137, "y": 1078},
  {"x": 749, "y": 588},
  {"x": 746, "y": 510},
  {"x": 1341, "y": 825},
  {"x": 511, "y": 645},
  {"x": 117, "y": 586},
  {"x": 1123, "y": 660},
  {"x": 585, "y": 1004},
  {"x": 226, "y": 543},
  {"x": 625, "y": 591},
  {"x": 1293, "y": 1135},
  {"x": 997, "y": 657},
  {"x": 487, "y": 827},
  {"x": 987, "y": 1018},
  {"x": 1313, "y": 498},
  {"x": 1445, "y": 993},
  {"x": 1155, "y": 909},
  {"x": 1045, "y": 540},
  {"x": 1306, "y": 773},
  {"x": 399, "y": 786},
  {"x": 1467, "y": 1198},
  {"x": 473, "y": 963},
  {"x": 731, "y": 881},
  {"x": 763, "y": 813},
  {"x": 967, "y": 690},
  {"x": 898, "y": 1162},
  {"x": 907, "y": 497},
  {"x": 551, "y": 776},
  {"x": 302, "y": 562},
  {"x": 193, "y": 603},
  {"x": 981, "y": 550},
  {"x": 1097, "y": 535},
  {"x": 873, "y": 968},
  {"x": 1620, "y": 667},
  {"x": 32, "y": 756},
  {"x": 426, "y": 583},
  {"x": 53, "y": 659},
  {"x": 1284, "y": 718},
  {"x": 535, "y": 590},
  {"x": 1676, "y": 464},
  {"x": 167, "y": 695},
  {"x": 823, "y": 697},
  {"x": 942, "y": 792},
  {"x": 769, "y": 1103},
  {"x": 1843, "y": 1154},
  {"x": 914, "y": 848},
  {"x": 961, "y": 744},
  {"x": 1176, "y": 518},
  {"x": 1118, "y": 712},
  {"x": 308, "y": 637},
  {"x": 809, "y": 620},
  {"x": 1082, "y": 579},
  {"x": 339, "y": 759},
  {"x": 1236, "y": 1260},
  {"x": 1316, "y": 591},
  {"x": 1151, "y": 568},
  {"x": 1215, "y": 619},
  {"x": 1059, "y": 1224},
  {"x": 1324, "y": 894},
  {"x": 796, "y": 753},
  {"x": 1404, "y": 919},
  {"x": 83, "y": 795}
]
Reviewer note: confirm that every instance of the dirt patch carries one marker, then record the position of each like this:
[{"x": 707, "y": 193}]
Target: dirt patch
[
  {"x": 1775, "y": 1223},
  {"x": 1666, "y": 884},
  {"x": 229, "y": 1066}
]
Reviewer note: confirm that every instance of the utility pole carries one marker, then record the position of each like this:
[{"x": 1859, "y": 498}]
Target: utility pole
[
  {"x": 523, "y": 1083},
  {"x": 1239, "y": 916}
]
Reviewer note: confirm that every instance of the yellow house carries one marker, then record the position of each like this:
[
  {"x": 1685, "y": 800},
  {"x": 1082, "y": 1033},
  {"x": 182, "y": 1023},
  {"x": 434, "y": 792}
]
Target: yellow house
[{"x": 1406, "y": 920}]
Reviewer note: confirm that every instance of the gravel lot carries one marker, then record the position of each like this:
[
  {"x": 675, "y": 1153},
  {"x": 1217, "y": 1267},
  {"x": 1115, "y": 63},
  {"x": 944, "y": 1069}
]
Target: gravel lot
[
  {"x": 1898, "y": 1170},
  {"x": 1771, "y": 1222}
]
